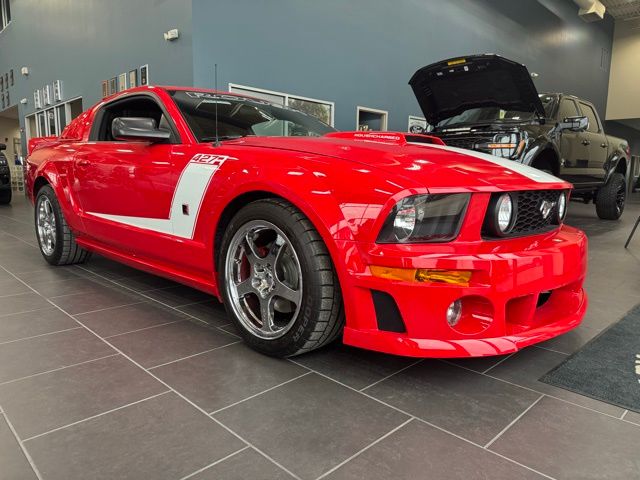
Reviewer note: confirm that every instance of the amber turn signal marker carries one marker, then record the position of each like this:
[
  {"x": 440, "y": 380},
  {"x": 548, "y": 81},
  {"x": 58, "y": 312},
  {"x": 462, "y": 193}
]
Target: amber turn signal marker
[
  {"x": 501, "y": 145},
  {"x": 455, "y": 277},
  {"x": 389, "y": 273}
]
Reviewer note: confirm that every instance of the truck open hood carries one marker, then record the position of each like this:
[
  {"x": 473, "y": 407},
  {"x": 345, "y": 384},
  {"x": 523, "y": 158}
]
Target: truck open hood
[{"x": 450, "y": 87}]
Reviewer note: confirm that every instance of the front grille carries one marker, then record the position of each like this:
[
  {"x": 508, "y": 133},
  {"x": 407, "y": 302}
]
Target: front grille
[
  {"x": 463, "y": 141},
  {"x": 529, "y": 219}
]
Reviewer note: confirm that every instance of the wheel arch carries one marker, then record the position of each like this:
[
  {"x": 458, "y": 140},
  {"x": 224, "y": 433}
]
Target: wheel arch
[
  {"x": 330, "y": 224},
  {"x": 38, "y": 183},
  {"x": 548, "y": 156}
]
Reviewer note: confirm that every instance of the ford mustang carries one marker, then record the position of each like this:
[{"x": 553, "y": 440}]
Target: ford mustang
[{"x": 394, "y": 242}]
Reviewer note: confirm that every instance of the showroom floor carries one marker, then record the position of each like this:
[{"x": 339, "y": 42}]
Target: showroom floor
[{"x": 110, "y": 373}]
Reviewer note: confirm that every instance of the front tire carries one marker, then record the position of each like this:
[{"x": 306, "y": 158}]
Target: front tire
[
  {"x": 277, "y": 280},
  {"x": 5, "y": 196},
  {"x": 57, "y": 243},
  {"x": 611, "y": 198}
]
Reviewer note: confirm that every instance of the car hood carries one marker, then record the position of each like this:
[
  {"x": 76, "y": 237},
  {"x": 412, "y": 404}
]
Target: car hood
[
  {"x": 450, "y": 87},
  {"x": 420, "y": 160}
]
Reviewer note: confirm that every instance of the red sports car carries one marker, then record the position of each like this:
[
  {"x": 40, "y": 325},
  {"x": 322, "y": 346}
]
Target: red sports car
[{"x": 393, "y": 241}]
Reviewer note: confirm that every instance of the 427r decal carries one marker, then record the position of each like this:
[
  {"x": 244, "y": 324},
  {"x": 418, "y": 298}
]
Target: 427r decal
[{"x": 187, "y": 199}]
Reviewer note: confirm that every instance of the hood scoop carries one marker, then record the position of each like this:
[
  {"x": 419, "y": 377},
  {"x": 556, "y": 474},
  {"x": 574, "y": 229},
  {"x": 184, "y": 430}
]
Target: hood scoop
[{"x": 389, "y": 138}]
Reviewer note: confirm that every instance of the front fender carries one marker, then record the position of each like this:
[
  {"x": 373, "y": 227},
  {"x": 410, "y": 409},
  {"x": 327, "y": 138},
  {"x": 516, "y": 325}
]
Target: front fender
[
  {"x": 58, "y": 176},
  {"x": 312, "y": 194},
  {"x": 613, "y": 162}
]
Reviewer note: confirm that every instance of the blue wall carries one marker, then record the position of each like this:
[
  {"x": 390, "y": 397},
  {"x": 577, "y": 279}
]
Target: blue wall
[
  {"x": 363, "y": 52},
  {"x": 83, "y": 42},
  {"x": 352, "y": 52}
]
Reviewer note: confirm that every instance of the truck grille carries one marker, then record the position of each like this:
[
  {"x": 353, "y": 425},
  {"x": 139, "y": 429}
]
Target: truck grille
[
  {"x": 529, "y": 219},
  {"x": 463, "y": 142}
]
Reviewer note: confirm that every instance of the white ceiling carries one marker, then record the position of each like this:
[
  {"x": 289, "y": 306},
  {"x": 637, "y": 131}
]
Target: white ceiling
[{"x": 623, "y": 9}]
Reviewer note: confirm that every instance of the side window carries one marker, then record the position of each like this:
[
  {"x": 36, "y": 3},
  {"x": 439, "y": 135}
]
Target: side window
[
  {"x": 129, "y": 107},
  {"x": 568, "y": 108},
  {"x": 591, "y": 115}
]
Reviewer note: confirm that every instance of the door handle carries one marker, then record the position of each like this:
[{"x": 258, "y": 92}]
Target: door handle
[
  {"x": 586, "y": 142},
  {"x": 83, "y": 163},
  {"x": 603, "y": 145}
]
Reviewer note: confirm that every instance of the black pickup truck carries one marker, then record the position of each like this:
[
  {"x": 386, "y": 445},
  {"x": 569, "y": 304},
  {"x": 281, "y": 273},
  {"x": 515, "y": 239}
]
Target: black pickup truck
[
  {"x": 490, "y": 104},
  {"x": 5, "y": 177}
]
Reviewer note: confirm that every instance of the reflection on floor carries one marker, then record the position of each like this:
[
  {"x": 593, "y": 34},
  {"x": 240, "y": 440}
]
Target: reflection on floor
[{"x": 110, "y": 373}]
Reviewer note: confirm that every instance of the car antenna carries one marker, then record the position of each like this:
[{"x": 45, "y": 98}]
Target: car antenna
[{"x": 215, "y": 83}]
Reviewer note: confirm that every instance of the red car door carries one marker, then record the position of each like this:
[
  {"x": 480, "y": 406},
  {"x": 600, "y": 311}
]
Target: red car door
[{"x": 125, "y": 188}]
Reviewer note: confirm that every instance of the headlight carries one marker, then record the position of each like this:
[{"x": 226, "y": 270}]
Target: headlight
[
  {"x": 503, "y": 145},
  {"x": 404, "y": 223},
  {"x": 502, "y": 215},
  {"x": 3, "y": 161},
  {"x": 425, "y": 218},
  {"x": 562, "y": 207}
]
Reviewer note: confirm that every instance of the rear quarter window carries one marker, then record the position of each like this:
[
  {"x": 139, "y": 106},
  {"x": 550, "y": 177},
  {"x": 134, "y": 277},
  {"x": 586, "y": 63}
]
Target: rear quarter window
[{"x": 590, "y": 113}]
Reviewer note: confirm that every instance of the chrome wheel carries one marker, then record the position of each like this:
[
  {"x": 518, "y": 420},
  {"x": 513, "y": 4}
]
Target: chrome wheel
[
  {"x": 46, "y": 226},
  {"x": 263, "y": 279}
]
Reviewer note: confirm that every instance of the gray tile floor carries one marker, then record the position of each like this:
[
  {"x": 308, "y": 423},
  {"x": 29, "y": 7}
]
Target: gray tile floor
[{"x": 110, "y": 373}]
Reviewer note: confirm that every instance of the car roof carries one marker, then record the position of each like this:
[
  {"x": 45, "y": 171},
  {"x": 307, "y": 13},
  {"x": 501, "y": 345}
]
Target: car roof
[{"x": 151, "y": 88}]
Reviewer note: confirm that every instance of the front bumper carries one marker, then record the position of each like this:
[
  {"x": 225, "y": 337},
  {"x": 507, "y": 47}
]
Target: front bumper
[{"x": 528, "y": 290}]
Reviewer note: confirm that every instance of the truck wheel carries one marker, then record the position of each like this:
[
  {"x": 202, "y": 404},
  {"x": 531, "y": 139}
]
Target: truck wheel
[
  {"x": 277, "y": 280},
  {"x": 611, "y": 198},
  {"x": 5, "y": 196},
  {"x": 57, "y": 243}
]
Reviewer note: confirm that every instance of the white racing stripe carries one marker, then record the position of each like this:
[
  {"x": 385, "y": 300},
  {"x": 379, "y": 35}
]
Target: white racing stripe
[
  {"x": 524, "y": 170},
  {"x": 191, "y": 189}
]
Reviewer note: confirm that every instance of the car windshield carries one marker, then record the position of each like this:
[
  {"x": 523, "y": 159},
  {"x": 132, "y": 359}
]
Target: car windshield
[
  {"x": 241, "y": 117},
  {"x": 495, "y": 114}
]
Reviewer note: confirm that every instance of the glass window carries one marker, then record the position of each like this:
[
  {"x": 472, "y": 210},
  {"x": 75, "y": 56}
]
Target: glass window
[
  {"x": 568, "y": 108},
  {"x": 51, "y": 122},
  {"x": 139, "y": 106},
  {"x": 320, "y": 109},
  {"x": 241, "y": 116},
  {"x": 42, "y": 125},
  {"x": 5, "y": 14},
  {"x": 591, "y": 115}
]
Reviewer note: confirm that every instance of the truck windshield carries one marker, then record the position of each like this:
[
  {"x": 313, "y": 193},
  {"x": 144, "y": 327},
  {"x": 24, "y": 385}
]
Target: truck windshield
[
  {"x": 241, "y": 117},
  {"x": 494, "y": 114}
]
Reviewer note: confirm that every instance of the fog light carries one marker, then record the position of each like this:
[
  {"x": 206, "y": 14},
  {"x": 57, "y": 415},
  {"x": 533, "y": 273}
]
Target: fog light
[{"x": 454, "y": 312}]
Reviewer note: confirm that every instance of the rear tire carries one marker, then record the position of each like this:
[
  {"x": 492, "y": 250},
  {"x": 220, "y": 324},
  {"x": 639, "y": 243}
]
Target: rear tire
[
  {"x": 270, "y": 248},
  {"x": 5, "y": 196},
  {"x": 55, "y": 239},
  {"x": 611, "y": 198}
]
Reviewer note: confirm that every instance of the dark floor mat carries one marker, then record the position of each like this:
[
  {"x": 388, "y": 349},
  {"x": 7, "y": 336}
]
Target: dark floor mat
[{"x": 608, "y": 367}]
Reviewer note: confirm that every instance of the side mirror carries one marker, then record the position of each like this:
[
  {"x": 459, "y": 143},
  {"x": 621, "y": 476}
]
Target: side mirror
[
  {"x": 3, "y": 146},
  {"x": 138, "y": 128},
  {"x": 575, "y": 124}
]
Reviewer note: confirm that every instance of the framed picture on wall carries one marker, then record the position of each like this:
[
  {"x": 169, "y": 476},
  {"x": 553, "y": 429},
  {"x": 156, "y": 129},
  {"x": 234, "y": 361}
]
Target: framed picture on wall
[
  {"x": 46, "y": 95},
  {"x": 417, "y": 124},
  {"x": 2, "y": 83},
  {"x": 11, "y": 76},
  {"x": 144, "y": 75},
  {"x": 6, "y": 79},
  {"x": 2, "y": 100},
  {"x": 57, "y": 91},
  {"x": 37, "y": 101},
  {"x": 133, "y": 78},
  {"x": 122, "y": 82},
  {"x": 113, "y": 86}
]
